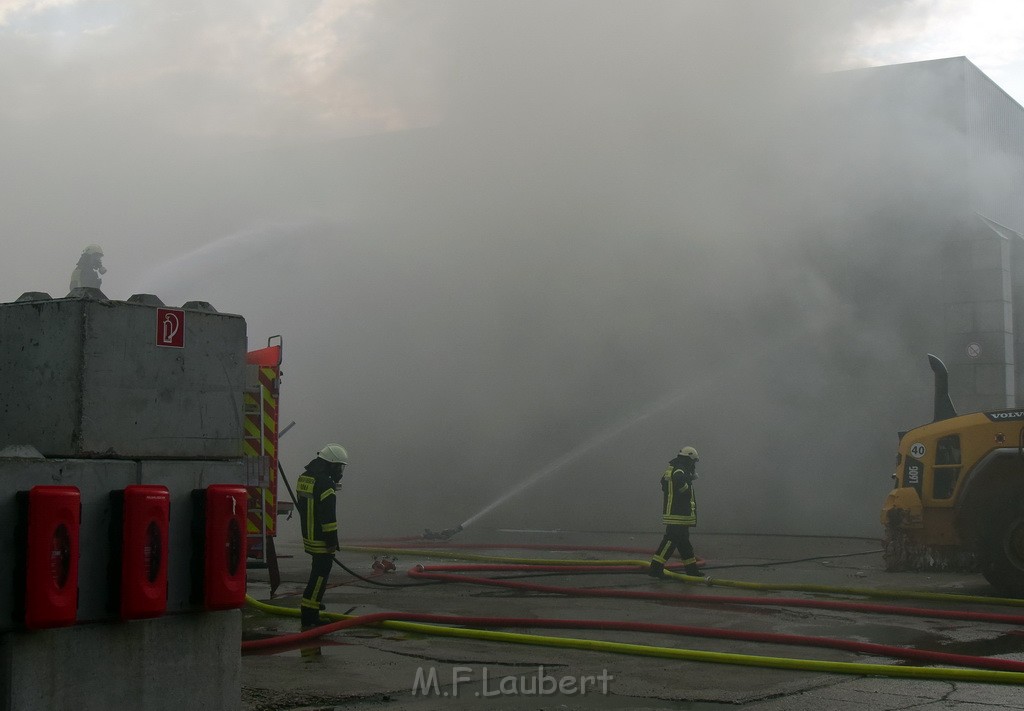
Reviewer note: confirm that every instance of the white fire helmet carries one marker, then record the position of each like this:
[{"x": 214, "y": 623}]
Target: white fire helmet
[
  {"x": 333, "y": 453},
  {"x": 689, "y": 452}
]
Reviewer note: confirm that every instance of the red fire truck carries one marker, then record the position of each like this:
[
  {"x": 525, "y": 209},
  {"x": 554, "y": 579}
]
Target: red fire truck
[{"x": 262, "y": 391}]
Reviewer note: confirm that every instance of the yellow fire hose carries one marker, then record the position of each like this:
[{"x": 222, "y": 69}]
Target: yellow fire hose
[{"x": 885, "y": 670}]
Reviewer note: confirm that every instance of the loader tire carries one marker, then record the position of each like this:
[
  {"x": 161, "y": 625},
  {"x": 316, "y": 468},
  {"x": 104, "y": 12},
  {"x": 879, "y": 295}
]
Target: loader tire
[
  {"x": 895, "y": 550},
  {"x": 1003, "y": 553}
]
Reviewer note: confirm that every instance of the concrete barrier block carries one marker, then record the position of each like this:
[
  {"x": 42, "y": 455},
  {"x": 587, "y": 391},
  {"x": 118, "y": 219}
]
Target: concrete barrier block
[
  {"x": 97, "y": 378},
  {"x": 164, "y": 664}
]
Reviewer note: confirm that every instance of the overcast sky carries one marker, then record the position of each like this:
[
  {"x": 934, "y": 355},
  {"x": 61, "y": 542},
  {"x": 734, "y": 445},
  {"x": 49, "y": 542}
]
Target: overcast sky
[{"x": 489, "y": 230}]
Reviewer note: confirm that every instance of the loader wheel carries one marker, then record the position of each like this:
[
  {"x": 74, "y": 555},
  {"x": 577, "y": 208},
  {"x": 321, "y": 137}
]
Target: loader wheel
[
  {"x": 1003, "y": 556},
  {"x": 895, "y": 553}
]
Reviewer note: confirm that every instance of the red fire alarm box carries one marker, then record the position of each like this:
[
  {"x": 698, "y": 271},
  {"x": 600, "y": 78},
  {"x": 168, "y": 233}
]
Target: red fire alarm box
[
  {"x": 139, "y": 533},
  {"x": 49, "y": 518},
  {"x": 218, "y": 562}
]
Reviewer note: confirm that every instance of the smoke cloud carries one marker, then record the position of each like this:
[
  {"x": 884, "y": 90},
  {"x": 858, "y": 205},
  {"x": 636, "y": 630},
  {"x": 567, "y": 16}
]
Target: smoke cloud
[{"x": 491, "y": 232}]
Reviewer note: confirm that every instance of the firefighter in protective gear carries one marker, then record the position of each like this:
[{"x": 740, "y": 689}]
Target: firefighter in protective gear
[
  {"x": 315, "y": 490},
  {"x": 89, "y": 268},
  {"x": 679, "y": 513}
]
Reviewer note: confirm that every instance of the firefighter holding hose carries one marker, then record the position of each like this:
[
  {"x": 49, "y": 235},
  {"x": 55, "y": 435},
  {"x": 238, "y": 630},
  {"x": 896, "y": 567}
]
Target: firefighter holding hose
[
  {"x": 679, "y": 513},
  {"x": 316, "y": 492}
]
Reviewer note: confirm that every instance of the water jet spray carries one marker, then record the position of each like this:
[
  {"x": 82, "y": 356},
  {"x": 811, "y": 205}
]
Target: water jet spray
[{"x": 572, "y": 455}]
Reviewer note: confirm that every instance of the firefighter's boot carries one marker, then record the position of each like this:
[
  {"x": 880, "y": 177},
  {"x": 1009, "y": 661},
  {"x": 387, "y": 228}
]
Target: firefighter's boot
[
  {"x": 310, "y": 619},
  {"x": 310, "y": 653},
  {"x": 692, "y": 569},
  {"x": 657, "y": 570}
]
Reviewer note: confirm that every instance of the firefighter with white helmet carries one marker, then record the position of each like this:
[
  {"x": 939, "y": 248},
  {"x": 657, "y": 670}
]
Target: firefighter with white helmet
[
  {"x": 679, "y": 513},
  {"x": 315, "y": 490},
  {"x": 89, "y": 268}
]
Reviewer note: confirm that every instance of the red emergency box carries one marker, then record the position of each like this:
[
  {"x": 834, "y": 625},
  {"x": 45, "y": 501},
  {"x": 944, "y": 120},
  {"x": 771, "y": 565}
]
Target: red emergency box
[
  {"x": 48, "y": 552},
  {"x": 219, "y": 544},
  {"x": 139, "y": 533}
]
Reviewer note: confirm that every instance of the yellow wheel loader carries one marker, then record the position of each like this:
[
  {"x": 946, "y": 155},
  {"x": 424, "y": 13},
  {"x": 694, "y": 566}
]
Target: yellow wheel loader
[{"x": 958, "y": 499}]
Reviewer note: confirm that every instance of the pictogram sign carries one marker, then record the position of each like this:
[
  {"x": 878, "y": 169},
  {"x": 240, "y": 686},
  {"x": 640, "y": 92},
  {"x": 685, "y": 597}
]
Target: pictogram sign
[{"x": 170, "y": 328}]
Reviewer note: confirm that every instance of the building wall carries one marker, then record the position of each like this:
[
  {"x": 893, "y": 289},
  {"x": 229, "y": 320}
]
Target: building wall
[{"x": 956, "y": 142}]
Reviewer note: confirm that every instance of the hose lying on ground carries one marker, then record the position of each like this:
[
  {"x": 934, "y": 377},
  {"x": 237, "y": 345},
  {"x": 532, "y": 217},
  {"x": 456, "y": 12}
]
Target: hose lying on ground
[
  {"x": 414, "y": 543},
  {"x": 719, "y": 582},
  {"x": 998, "y": 671},
  {"x": 434, "y": 573}
]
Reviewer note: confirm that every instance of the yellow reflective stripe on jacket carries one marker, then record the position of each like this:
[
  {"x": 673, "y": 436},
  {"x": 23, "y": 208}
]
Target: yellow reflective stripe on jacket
[
  {"x": 310, "y": 519},
  {"x": 330, "y": 527},
  {"x": 327, "y": 492},
  {"x": 670, "y": 491}
]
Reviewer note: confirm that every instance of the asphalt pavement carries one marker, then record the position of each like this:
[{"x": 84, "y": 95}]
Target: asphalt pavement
[{"x": 382, "y": 668}]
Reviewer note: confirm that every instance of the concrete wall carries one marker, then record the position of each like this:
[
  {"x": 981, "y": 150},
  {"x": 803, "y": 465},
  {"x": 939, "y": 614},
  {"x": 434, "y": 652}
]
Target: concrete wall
[
  {"x": 167, "y": 664},
  {"x": 91, "y": 381}
]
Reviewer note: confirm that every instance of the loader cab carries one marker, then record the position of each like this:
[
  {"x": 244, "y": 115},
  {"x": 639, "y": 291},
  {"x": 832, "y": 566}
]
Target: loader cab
[
  {"x": 931, "y": 464},
  {"x": 946, "y": 472}
]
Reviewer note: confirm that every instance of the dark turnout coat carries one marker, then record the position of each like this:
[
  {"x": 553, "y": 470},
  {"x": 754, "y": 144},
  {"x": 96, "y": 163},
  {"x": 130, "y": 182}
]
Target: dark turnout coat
[
  {"x": 679, "y": 502},
  {"x": 317, "y": 512}
]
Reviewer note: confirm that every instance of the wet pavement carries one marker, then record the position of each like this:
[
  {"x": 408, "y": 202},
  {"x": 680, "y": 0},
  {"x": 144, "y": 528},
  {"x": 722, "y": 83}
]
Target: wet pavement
[{"x": 376, "y": 668}]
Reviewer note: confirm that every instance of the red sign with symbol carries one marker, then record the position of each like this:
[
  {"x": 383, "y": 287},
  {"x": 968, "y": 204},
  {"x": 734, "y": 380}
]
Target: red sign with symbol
[{"x": 170, "y": 328}]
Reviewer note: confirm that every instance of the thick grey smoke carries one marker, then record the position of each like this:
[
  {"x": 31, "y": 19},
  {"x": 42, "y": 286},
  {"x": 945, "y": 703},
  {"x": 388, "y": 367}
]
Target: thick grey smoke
[{"x": 591, "y": 208}]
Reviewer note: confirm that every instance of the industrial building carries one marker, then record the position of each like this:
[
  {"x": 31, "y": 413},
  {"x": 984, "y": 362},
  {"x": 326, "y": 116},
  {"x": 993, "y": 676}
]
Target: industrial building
[{"x": 945, "y": 145}]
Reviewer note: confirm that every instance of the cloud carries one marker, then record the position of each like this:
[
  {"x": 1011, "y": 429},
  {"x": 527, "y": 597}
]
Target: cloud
[
  {"x": 990, "y": 33},
  {"x": 12, "y": 9},
  {"x": 252, "y": 69}
]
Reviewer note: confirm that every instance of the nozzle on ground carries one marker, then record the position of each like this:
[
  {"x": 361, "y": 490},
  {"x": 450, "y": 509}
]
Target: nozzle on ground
[{"x": 441, "y": 535}]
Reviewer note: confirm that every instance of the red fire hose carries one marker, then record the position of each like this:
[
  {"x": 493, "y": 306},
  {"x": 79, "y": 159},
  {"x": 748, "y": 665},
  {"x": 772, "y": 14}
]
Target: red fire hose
[{"x": 430, "y": 572}]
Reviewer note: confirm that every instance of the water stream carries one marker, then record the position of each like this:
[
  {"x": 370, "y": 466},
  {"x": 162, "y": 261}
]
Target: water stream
[{"x": 572, "y": 455}]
